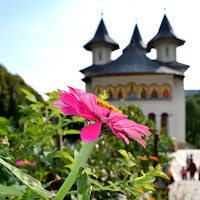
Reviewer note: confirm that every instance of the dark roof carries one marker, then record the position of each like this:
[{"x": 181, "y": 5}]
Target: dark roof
[
  {"x": 165, "y": 32},
  {"x": 173, "y": 64},
  {"x": 101, "y": 36},
  {"x": 131, "y": 61},
  {"x": 137, "y": 39}
]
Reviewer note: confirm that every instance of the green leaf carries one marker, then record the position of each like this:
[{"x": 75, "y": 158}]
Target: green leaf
[
  {"x": 27, "y": 180},
  {"x": 131, "y": 163},
  {"x": 83, "y": 186},
  {"x": 29, "y": 195},
  {"x": 59, "y": 154},
  {"x": 123, "y": 161},
  {"x": 3, "y": 131},
  {"x": 72, "y": 131},
  {"x": 134, "y": 176},
  {"x": 3, "y": 120},
  {"x": 48, "y": 156},
  {"x": 27, "y": 168},
  {"x": 78, "y": 119},
  {"x": 144, "y": 179},
  {"x": 134, "y": 191},
  {"x": 145, "y": 187},
  {"x": 162, "y": 174},
  {"x": 10, "y": 190},
  {"x": 29, "y": 95},
  {"x": 124, "y": 154},
  {"x": 95, "y": 182}
]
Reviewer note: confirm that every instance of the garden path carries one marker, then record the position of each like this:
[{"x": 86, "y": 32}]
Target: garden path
[{"x": 187, "y": 189}]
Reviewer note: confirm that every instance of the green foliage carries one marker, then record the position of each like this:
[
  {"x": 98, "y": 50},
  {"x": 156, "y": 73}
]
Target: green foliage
[
  {"x": 34, "y": 140},
  {"x": 83, "y": 185},
  {"x": 192, "y": 119},
  {"x": 114, "y": 168},
  {"x": 27, "y": 180},
  {"x": 11, "y": 95}
]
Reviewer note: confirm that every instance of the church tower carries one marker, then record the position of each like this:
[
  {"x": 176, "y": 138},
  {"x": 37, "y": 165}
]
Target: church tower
[
  {"x": 165, "y": 42},
  {"x": 101, "y": 45},
  {"x": 137, "y": 40},
  {"x": 154, "y": 85}
]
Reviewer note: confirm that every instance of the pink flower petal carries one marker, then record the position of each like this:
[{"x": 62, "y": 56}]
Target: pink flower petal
[
  {"x": 58, "y": 104},
  {"x": 117, "y": 116},
  {"x": 68, "y": 99},
  {"x": 32, "y": 163},
  {"x": 76, "y": 92},
  {"x": 91, "y": 132},
  {"x": 90, "y": 100},
  {"x": 18, "y": 163},
  {"x": 101, "y": 113},
  {"x": 125, "y": 138},
  {"x": 135, "y": 136},
  {"x": 69, "y": 111},
  {"x": 84, "y": 111}
]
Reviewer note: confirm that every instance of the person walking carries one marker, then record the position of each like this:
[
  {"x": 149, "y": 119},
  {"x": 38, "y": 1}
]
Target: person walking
[
  {"x": 184, "y": 173},
  {"x": 192, "y": 169}
]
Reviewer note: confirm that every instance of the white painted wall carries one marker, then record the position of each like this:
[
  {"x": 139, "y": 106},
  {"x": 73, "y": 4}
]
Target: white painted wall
[
  {"x": 101, "y": 53},
  {"x": 175, "y": 107},
  {"x": 166, "y": 50}
]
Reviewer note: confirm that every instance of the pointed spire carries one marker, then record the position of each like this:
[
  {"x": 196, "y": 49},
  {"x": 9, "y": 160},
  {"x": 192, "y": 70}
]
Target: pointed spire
[
  {"x": 137, "y": 40},
  {"x": 165, "y": 32},
  {"x": 101, "y": 36}
]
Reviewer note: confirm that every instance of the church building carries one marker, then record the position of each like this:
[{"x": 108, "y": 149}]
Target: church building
[{"x": 156, "y": 86}]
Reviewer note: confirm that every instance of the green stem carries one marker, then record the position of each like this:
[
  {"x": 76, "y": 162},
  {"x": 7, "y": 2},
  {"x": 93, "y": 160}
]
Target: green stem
[{"x": 85, "y": 152}]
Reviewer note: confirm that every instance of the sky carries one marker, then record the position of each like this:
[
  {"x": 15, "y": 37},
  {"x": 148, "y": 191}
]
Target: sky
[{"x": 42, "y": 40}]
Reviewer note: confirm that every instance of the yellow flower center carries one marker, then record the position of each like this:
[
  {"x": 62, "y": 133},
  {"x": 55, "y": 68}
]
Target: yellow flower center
[{"x": 105, "y": 105}]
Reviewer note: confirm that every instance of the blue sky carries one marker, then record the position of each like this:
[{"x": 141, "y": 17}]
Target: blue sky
[{"x": 42, "y": 40}]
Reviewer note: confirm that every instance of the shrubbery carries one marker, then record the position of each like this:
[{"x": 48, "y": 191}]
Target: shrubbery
[{"x": 114, "y": 169}]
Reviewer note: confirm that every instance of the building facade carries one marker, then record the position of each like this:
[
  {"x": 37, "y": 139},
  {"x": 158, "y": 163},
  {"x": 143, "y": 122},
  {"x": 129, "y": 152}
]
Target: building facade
[{"x": 156, "y": 86}]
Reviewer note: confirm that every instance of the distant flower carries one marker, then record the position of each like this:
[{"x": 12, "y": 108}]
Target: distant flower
[
  {"x": 144, "y": 158},
  {"x": 153, "y": 158},
  {"x": 140, "y": 190},
  {"x": 150, "y": 198},
  {"x": 18, "y": 163},
  {"x": 179, "y": 184},
  {"x": 86, "y": 105}
]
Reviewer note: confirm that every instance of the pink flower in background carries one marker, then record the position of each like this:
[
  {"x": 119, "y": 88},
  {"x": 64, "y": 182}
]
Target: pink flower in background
[
  {"x": 18, "y": 163},
  {"x": 86, "y": 105}
]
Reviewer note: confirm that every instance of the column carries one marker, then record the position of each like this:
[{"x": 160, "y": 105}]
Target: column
[
  {"x": 170, "y": 125},
  {"x": 158, "y": 124}
]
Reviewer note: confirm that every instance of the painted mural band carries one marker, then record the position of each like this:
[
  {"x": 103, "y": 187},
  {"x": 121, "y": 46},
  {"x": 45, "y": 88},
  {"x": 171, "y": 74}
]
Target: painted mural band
[{"x": 134, "y": 92}]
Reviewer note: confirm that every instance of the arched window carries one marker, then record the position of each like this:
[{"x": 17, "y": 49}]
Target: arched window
[
  {"x": 164, "y": 124},
  {"x": 152, "y": 116}
]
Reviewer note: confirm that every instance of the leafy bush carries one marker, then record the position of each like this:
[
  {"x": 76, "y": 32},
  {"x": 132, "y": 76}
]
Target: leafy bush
[{"x": 114, "y": 168}]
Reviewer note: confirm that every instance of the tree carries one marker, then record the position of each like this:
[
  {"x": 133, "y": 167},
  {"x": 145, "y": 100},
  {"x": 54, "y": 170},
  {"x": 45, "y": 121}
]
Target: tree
[
  {"x": 193, "y": 119},
  {"x": 10, "y": 94}
]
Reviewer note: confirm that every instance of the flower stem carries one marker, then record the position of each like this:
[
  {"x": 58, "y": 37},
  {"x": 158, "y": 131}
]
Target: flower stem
[{"x": 84, "y": 153}]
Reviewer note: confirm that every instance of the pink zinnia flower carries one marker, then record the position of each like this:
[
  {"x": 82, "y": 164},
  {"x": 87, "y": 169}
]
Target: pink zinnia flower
[
  {"x": 122, "y": 127},
  {"x": 18, "y": 163},
  {"x": 86, "y": 105}
]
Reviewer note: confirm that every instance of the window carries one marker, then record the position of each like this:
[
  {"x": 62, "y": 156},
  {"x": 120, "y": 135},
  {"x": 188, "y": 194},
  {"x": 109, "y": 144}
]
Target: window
[
  {"x": 167, "y": 52},
  {"x": 152, "y": 116},
  {"x": 164, "y": 125},
  {"x": 100, "y": 55}
]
